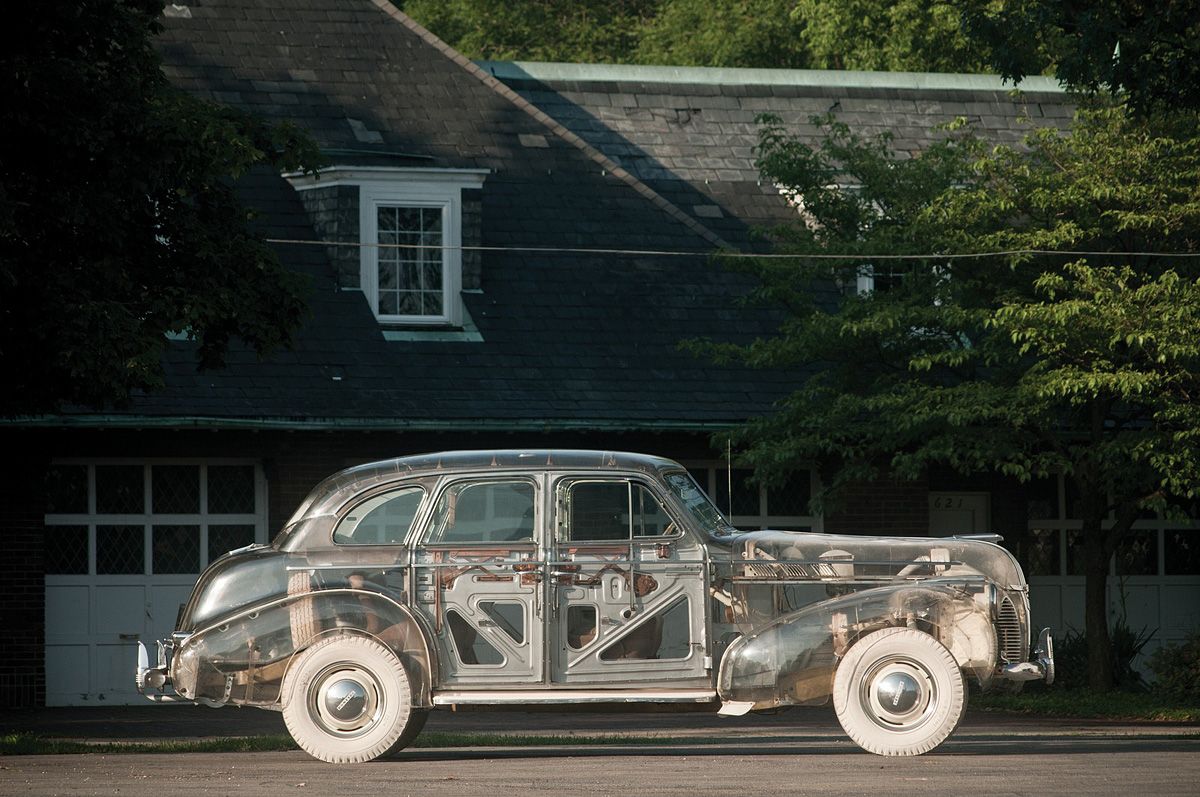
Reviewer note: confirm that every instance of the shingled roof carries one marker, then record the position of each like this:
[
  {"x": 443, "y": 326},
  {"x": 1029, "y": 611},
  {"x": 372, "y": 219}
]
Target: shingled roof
[
  {"x": 689, "y": 132},
  {"x": 564, "y": 339}
]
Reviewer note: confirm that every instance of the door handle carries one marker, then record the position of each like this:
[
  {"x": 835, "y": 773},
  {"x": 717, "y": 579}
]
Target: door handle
[{"x": 129, "y": 637}]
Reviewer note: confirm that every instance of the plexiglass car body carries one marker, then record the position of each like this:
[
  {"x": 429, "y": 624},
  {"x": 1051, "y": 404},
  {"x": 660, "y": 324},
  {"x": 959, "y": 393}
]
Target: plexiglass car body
[{"x": 522, "y": 577}]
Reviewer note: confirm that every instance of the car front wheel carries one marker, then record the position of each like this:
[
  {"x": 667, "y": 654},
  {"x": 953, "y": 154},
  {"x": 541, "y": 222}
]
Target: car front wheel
[
  {"x": 899, "y": 692},
  {"x": 348, "y": 699}
]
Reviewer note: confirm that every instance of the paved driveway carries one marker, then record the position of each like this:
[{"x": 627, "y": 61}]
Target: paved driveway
[
  {"x": 798, "y": 752},
  {"x": 1071, "y": 766}
]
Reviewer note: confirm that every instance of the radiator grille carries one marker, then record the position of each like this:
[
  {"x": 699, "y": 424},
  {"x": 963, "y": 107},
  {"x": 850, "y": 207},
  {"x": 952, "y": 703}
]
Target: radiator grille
[{"x": 1008, "y": 632}]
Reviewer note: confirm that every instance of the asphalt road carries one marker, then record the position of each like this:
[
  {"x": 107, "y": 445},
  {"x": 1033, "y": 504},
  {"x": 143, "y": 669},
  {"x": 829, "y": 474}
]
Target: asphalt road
[{"x": 981, "y": 764}]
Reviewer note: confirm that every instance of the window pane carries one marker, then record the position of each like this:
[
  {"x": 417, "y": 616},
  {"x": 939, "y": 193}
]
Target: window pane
[
  {"x": 1040, "y": 553},
  {"x": 66, "y": 550},
  {"x": 1182, "y": 552},
  {"x": 484, "y": 512},
  {"x": 120, "y": 490},
  {"x": 231, "y": 489},
  {"x": 410, "y": 303},
  {"x": 409, "y": 219},
  {"x": 1075, "y": 563},
  {"x": 175, "y": 489},
  {"x": 1137, "y": 554},
  {"x": 600, "y": 511},
  {"x": 225, "y": 538},
  {"x": 1041, "y": 496},
  {"x": 66, "y": 489},
  {"x": 176, "y": 549},
  {"x": 472, "y": 648},
  {"x": 386, "y": 218},
  {"x": 120, "y": 550},
  {"x": 432, "y": 304},
  {"x": 649, "y": 517},
  {"x": 431, "y": 219},
  {"x": 745, "y": 494},
  {"x": 666, "y": 635},
  {"x": 792, "y": 497},
  {"x": 384, "y": 520},
  {"x": 389, "y": 303}
]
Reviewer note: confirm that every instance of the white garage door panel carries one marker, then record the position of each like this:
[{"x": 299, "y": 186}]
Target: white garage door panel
[
  {"x": 68, "y": 612},
  {"x": 112, "y": 667},
  {"x": 1045, "y": 604},
  {"x": 96, "y": 611},
  {"x": 164, "y": 608},
  {"x": 67, "y": 675},
  {"x": 119, "y": 610},
  {"x": 1141, "y": 605},
  {"x": 1181, "y": 609}
]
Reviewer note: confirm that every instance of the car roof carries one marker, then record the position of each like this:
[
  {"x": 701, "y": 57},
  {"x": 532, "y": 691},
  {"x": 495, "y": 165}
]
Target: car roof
[{"x": 327, "y": 496}]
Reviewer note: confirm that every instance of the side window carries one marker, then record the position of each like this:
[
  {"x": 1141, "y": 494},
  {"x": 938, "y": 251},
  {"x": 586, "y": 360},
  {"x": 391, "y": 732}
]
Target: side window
[
  {"x": 493, "y": 511},
  {"x": 614, "y": 511},
  {"x": 383, "y": 520}
]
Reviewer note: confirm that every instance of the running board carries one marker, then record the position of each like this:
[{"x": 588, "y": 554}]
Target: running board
[{"x": 527, "y": 696}]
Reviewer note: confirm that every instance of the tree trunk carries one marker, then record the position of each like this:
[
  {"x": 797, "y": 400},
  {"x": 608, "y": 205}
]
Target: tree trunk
[{"x": 1096, "y": 556}]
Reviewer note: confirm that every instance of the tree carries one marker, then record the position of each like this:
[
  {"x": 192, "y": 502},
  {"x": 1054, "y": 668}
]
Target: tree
[
  {"x": 1027, "y": 364},
  {"x": 727, "y": 33},
  {"x": 596, "y": 31},
  {"x": 1148, "y": 51},
  {"x": 118, "y": 222},
  {"x": 905, "y": 35}
]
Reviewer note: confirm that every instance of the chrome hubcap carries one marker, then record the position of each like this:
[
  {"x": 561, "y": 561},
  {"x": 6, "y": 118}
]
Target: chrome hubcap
[
  {"x": 898, "y": 694},
  {"x": 345, "y": 700}
]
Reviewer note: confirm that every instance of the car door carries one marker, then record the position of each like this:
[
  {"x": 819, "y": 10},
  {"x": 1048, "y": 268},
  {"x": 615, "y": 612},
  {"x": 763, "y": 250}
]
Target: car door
[
  {"x": 478, "y": 577},
  {"x": 626, "y": 587}
]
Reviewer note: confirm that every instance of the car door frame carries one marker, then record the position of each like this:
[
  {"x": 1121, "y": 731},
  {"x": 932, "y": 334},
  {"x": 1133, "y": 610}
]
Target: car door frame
[
  {"x": 680, "y": 562},
  {"x": 459, "y": 576}
]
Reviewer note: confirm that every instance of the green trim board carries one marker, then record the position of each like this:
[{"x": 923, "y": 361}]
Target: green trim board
[
  {"x": 818, "y": 78},
  {"x": 360, "y": 424}
]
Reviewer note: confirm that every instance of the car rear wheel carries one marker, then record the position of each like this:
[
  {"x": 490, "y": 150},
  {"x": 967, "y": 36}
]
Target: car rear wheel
[
  {"x": 348, "y": 699},
  {"x": 899, "y": 692}
]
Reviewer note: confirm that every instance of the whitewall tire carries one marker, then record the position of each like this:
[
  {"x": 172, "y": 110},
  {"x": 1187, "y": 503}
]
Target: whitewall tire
[
  {"x": 348, "y": 699},
  {"x": 899, "y": 692}
]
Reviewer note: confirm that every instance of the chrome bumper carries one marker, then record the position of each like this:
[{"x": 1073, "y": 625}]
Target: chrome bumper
[
  {"x": 1041, "y": 668},
  {"x": 152, "y": 681}
]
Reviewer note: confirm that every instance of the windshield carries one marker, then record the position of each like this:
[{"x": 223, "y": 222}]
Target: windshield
[{"x": 702, "y": 509}]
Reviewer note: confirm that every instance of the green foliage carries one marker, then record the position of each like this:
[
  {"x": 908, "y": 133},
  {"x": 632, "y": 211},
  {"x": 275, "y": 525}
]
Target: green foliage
[
  {"x": 1024, "y": 358},
  {"x": 1021, "y": 364},
  {"x": 1055, "y": 702},
  {"x": 1149, "y": 52},
  {"x": 728, "y": 33},
  {"x": 905, "y": 35},
  {"x": 795, "y": 34},
  {"x": 1176, "y": 669},
  {"x": 117, "y": 220},
  {"x": 596, "y": 31},
  {"x": 1071, "y": 658}
]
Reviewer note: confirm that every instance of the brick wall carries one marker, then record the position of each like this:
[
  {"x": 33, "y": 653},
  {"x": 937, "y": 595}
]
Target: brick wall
[{"x": 22, "y": 577}]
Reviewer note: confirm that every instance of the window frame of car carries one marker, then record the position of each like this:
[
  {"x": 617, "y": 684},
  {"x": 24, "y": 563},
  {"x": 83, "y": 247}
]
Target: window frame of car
[
  {"x": 426, "y": 528},
  {"x": 381, "y": 492},
  {"x": 568, "y": 480}
]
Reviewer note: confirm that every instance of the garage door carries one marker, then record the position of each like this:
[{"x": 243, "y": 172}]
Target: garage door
[{"x": 125, "y": 542}]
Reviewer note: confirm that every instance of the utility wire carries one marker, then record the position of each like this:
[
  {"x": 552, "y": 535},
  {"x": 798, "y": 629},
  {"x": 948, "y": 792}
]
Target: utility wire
[{"x": 727, "y": 253}]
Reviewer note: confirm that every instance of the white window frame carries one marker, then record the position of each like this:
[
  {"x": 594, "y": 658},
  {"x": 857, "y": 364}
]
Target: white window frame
[
  {"x": 447, "y": 199},
  {"x": 403, "y": 187}
]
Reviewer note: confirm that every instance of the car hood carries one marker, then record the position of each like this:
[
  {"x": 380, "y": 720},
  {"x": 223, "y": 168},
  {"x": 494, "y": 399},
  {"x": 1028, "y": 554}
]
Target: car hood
[{"x": 804, "y": 555}]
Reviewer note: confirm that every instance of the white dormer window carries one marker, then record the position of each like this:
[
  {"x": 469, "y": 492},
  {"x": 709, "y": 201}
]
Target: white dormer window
[
  {"x": 410, "y": 228},
  {"x": 412, "y": 265}
]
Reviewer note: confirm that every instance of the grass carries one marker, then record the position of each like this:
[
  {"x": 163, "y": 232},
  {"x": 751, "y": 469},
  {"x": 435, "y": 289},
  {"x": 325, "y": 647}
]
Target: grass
[
  {"x": 1083, "y": 704},
  {"x": 32, "y": 744}
]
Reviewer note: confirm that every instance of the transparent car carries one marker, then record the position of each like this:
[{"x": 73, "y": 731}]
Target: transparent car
[{"x": 571, "y": 577}]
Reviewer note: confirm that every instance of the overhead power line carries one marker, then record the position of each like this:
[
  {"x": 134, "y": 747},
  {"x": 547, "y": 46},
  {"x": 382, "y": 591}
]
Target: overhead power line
[{"x": 573, "y": 250}]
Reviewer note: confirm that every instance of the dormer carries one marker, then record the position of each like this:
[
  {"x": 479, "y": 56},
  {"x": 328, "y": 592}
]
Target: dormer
[{"x": 397, "y": 234}]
